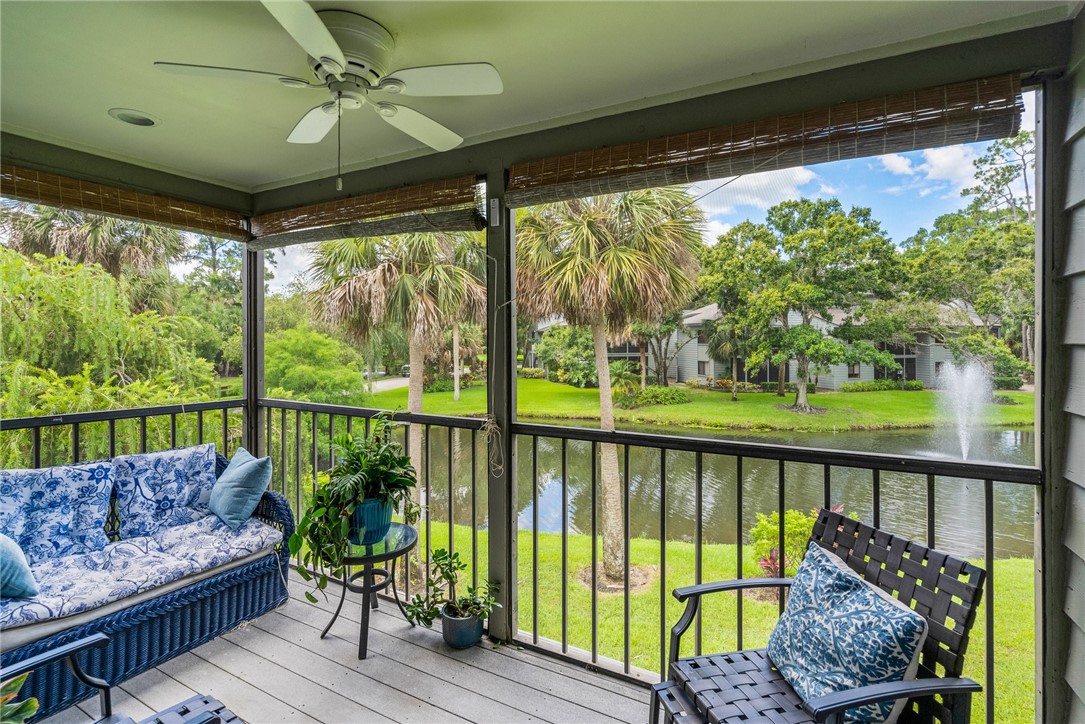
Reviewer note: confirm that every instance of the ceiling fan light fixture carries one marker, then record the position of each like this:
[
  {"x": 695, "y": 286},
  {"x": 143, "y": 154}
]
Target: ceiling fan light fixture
[{"x": 133, "y": 117}]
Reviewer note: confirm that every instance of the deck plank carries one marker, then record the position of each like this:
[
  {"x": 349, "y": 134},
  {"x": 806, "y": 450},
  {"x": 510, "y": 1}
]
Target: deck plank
[
  {"x": 270, "y": 638},
  {"x": 157, "y": 690},
  {"x": 561, "y": 694},
  {"x": 122, "y": 702}
]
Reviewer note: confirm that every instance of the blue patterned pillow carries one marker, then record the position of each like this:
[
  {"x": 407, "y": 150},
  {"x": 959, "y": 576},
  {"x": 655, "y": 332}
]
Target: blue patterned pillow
[
  {"x": 839, "y": 632},
  {"x": 157, "y": 489},
  {"x": 58, "y": 511}
]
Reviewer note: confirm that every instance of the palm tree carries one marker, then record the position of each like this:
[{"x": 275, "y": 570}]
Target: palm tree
[
  {"x": 410, "y": 281},
  {"x": 117, "y": 245},
  {"x": 606, "y": 262},
  {"x": 725, "y": 344}
]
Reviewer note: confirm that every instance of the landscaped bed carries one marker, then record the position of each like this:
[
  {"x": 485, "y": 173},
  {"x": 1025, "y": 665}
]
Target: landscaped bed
[{"x": 714, "y": 410}]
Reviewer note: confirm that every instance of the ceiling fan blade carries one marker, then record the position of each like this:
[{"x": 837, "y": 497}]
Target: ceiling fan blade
[
  {"x": 314, "y": 125},
  {"x": 460, "y": 79},
  {"x": 309, "y": 31},
  {"x": 214, "y": 71},
  {"x": 416, "y": 125}
]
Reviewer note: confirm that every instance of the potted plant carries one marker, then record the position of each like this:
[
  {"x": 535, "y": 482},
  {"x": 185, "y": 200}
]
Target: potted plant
[
  {"x": 461, "y": 616},
  {"x": 371, "y": 477}
]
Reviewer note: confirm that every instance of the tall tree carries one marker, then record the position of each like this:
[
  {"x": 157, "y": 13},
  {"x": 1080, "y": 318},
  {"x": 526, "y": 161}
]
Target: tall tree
[
  {"x": 410, "y": 281},
  {"x": 606, "y": 262},
  {"x": 1003, "y": 175},
  {"x": 114, "y": 244},
  {"x": 821, "y": 259}
]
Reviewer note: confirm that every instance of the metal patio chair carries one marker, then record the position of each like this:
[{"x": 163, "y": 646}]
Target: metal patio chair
[{"x": 743, "y": 686}]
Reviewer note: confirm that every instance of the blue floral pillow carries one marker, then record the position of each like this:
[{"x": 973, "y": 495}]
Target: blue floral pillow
[
  {"x": 164, "y": 488},
  {"x": 58, "y": 511},
  {"x": 840, "y": 632}
]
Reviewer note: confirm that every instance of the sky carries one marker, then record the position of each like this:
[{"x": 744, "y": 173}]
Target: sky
[{"x": 905, "y": 192}]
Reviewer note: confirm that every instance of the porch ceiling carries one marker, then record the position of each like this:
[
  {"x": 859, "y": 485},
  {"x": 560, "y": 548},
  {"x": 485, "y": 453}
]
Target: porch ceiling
[{"x": 64, "y": 64}]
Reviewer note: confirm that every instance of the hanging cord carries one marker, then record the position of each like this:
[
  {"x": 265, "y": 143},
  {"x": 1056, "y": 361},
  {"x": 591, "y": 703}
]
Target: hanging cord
[
  {"x": 496, "y": 459},
  {"x": 339, "y": 141}
]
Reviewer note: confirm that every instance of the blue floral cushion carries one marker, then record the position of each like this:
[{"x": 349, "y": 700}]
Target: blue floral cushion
[
  {"x": 58, "y": 511},
  {"x": 74, "y": 584},
  {"x": 838, "y": 632},
  {"x": 170, "y": 487}
]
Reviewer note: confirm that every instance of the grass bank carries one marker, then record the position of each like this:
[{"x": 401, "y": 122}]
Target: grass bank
[
  {"x": 714, "y": 410},
  {"x": 1014, "y": 642}
]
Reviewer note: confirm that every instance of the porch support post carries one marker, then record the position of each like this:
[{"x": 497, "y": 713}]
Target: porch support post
[
  {"x": 252, "y": 342},
  {"x": 501, "y": 381}
]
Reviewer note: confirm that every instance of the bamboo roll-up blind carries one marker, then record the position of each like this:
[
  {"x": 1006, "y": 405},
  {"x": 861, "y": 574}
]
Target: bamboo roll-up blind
[
  {"x": 41, "y": 187},
  {"x": 977, "y": 110},
  {"x": 448, "y": 205}
]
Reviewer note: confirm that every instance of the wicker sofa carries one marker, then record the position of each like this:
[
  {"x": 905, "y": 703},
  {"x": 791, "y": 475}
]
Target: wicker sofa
[{"x": 147, "y": 629}]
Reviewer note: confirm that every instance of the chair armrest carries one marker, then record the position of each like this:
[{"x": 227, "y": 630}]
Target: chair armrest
[
  {"x": 692, "y": 596},
  {"x": 823, "y": 707},
  {"x": 275, "y": 509},
  {"x": 737, "y": 585},
  {"x": 95, "y": 641}
]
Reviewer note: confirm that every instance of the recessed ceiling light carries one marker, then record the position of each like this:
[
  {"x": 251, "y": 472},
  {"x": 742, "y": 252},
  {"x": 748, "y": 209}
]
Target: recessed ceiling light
[{"x": 135, "y": 118}]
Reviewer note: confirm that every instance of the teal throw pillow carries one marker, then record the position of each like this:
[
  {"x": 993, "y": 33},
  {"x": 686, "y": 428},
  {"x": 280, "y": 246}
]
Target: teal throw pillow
[
  {"x": 16, "y": 580},
  {"x": 238, "y": 490}
]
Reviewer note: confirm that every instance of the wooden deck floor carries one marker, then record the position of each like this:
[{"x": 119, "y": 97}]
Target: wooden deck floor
[{"x": 277, "y": 669}]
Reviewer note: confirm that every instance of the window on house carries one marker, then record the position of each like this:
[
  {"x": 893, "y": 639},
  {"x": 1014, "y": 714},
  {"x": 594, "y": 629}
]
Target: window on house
[
  {"x": 938, "y": 366},
  {"x": 702, "y": 338},
  {"x": 702, "y": 368},
  {"x": 853, "y": 370}
]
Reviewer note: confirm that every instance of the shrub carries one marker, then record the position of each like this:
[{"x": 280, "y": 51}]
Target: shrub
[
  {"x": 625, "y": 400},
  {"x": 654, "y": 395},
  {"x": 765, "y": 541},
  {"x": 882, "y": 386},
  {"x": 1009, "y": 382},
  {"x": 439, "y": 384},
  {"x": 788, "y": 387},
  {"x": 1004, "y": 400},
  {"x": 531, "y": 373},
  {"x": 694, "y": 382}
]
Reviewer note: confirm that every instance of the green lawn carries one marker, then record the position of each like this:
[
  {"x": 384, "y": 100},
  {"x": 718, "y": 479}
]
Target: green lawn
[
  {"x": 1013, "y": 581},
  {"x": 843, "y": 411}
]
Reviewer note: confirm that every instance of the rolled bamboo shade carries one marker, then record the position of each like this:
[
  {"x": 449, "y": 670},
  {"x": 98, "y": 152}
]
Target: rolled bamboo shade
[
  {"x": 447, "y": 205},
  {"x": 977, "y": 110},
  {"x": 41, "y": 187}
]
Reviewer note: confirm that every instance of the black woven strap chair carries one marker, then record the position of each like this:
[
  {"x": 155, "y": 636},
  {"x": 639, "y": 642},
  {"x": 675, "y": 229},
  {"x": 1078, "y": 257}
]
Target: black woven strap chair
[{"x": 743, "y": 686}]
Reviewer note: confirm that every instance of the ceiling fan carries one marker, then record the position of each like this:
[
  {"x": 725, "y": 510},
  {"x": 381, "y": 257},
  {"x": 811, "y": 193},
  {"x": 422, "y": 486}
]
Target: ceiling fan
[{"x": 349, "y": 55}]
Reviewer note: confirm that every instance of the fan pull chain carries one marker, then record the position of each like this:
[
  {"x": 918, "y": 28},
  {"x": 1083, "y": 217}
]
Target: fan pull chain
[{"x": 339, "y": 142}]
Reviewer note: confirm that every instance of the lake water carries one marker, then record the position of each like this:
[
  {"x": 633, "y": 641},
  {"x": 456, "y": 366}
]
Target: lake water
[{"x": 959, "y": 506}]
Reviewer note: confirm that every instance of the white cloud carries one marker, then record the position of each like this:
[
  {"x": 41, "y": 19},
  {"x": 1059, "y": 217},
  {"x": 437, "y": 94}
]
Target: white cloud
[
  {"x": 761, "y": 190},
  {"x": 292, "y": 263},
  {"x": 949, "y": 163},
  {"x": 896, "y": 164},
  {"x": 713, "y": 230}
]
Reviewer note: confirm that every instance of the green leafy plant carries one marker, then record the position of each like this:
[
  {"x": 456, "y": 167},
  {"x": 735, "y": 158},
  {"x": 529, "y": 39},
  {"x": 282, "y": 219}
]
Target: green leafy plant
[
  {"x": 653, "y": 395},
  {"x": 883, "y": 386},
  {"x": 16, "y": 712},
  {"x": 441, "y": 582},
  {"x": 531, "y": 373},
  {"x": 370, "y": 467}
]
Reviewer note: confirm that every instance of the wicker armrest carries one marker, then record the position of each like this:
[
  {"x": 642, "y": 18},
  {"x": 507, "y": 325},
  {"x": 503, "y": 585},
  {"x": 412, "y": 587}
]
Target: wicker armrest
[
  {"x": 692, "y": 596},
  {"x": 274, "y": 509},
  {"x": 824, "y": 707},
  {"x": 701, "y": 589}
]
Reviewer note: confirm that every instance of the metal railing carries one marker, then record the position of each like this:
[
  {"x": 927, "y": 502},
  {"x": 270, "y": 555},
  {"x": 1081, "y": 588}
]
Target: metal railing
[{"x": 671, "y": 493}]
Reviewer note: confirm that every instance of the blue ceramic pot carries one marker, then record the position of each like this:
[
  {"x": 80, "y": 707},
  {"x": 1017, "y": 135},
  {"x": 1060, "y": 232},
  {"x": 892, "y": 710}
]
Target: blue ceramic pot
[
  {"x": 460, "y": 633},
  {"x": 370, "y": 521}
]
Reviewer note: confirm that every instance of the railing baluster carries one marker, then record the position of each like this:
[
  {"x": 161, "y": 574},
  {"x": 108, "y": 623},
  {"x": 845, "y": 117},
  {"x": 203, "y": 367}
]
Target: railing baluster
[
  {"x": 738, "y": 547},
  {"x": 564, "y": 547},
  {"x": 474, "y": 509},
  {"x": 625, "y": 542},
  {"x": 225, "y": 434},
  {"x": 297, "y": 469},
  {"x": 35, "y": 447},
  {"x": 173, "y": 429},
  {"x": 534, "y": 539},
  {"x": 143, "y": 431},
  {"x": 199, "y": 427},
  {"x": 594, "y": 557},
  {"x": 698, "y": 540},
  {"x": 827, "y": 487},
  {"x": 75, "y": 442},
  {"x": 282, "y": 450},
  {"x": 781, "y": 550},
  {"x": 350, "y": 425},
  {"x": 112, "y": 438},
  {"x": 429, "y": 502},
  {"x": 877, "y": 482},
  {"x": 663, "y": 563},
  {"x": 267, "y": 433},
  {"x": 314, "y": 452},
  {"x": 989, "y": 623},
  {"x": 331, "y": 440},
  {"x": 930, "y": 510},
  {"x": 451, "y": 514}
]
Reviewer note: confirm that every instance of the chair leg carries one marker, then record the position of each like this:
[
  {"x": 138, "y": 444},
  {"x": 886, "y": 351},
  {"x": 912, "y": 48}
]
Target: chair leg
[{"x": 653, "y": 707}]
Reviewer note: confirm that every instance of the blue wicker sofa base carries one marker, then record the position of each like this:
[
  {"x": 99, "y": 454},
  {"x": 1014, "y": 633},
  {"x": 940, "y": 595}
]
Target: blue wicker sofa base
[{"x": 156, "y": 630}]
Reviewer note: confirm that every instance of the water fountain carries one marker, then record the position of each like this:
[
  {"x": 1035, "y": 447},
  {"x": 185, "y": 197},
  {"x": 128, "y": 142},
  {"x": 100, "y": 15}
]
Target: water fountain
[{"x": 967, "y": 388}]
